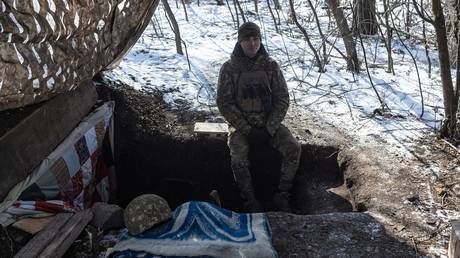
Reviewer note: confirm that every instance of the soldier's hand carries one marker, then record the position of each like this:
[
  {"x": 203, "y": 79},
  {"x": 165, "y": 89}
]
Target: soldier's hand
[{"x": 258, "y": 135}]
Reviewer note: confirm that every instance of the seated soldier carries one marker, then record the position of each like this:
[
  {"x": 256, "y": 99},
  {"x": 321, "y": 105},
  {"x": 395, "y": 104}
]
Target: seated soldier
[{"x": 253, "y": 97}]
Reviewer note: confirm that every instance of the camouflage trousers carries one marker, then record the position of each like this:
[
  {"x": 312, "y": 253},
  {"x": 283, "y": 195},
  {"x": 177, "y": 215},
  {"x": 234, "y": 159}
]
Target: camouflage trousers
[{"x": 282, "y": 141}]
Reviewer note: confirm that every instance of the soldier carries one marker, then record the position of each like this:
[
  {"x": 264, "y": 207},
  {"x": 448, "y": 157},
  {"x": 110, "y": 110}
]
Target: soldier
[{"x": 253, "y": 97}]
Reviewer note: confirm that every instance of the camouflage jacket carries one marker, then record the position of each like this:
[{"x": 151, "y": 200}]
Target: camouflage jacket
[{"x": 252, "y": 92}]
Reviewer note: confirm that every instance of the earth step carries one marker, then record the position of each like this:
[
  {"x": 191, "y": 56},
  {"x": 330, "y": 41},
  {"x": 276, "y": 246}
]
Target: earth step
[{"x": 344, "y": 234}]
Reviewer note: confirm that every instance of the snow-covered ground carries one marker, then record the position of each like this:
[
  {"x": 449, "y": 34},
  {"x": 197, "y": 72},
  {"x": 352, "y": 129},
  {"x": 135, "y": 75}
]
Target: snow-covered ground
[
  {"x": 341, "y": 98},
  {"x": 344, "y": 99}
]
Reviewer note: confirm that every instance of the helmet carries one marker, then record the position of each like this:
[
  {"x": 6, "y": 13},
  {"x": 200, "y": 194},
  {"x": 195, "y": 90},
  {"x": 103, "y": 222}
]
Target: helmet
[{"x": 144, "y": 212}]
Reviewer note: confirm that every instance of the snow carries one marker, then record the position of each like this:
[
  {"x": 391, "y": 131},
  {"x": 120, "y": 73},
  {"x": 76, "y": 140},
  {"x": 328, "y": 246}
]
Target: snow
[{"x": 341, "y": 98}]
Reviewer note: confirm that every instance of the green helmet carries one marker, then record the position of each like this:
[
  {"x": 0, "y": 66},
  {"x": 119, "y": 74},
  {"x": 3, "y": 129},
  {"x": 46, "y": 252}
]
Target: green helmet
[{"x": 146, "y": 211}]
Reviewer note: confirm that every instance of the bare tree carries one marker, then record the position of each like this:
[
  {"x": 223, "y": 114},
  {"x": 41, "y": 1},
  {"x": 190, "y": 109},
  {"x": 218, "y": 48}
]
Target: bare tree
[
  {"x": 408, "y": 19},
  {"x": 231, "y": 13},
  {"x": 175, "y": 26},
  {"x": 307, "y": 38},
  {"x": 450, "y": 95},
  {"x": 452, "y": 25},
  {"x": 350, "y": 45},
  {"x": 237, "y": 3},
  {"x": 389, "y": 37},
  {"x": 185, "y": 10},
  {"x": 364, "y": 17},
  {"x": 415, "y": 64},
  {"x": 277, "y": 4},
  {"x": 425, "y": 42},
  {"x": 273, "y": 16},
  {"x": 318, "y": 25},
  {"x": 383, "y": 106},
  {"x": 236, "y": 14}
]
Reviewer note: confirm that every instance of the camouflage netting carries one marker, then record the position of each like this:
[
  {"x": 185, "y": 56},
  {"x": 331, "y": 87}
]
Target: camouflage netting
[{"x": 48, "y": 47}]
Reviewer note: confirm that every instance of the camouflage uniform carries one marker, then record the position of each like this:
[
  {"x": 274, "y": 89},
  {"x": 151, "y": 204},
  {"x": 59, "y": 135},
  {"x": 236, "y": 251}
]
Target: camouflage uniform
[{"x": 252, "y": 93}]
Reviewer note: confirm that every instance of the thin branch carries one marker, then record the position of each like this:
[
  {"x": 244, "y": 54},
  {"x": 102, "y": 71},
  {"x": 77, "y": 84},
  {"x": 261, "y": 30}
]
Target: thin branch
[
  {"x": 318, "y": 60},
  {"x": 429, "y": 20},
  {"x": 382, "y": 104},
  {"x": 415, "y": 63}
]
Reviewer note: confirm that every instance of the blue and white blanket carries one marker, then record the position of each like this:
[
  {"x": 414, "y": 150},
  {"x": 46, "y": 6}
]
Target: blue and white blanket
[{"x": 200, "y": 229}]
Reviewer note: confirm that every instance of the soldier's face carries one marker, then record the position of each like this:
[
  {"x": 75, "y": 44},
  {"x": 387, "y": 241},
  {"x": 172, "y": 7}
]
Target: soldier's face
[{"x": 250, "y": 46}]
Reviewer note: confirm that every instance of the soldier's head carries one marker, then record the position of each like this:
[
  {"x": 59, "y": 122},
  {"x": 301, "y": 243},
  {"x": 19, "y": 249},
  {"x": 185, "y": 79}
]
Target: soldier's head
[{"x": 249, "y": 38}]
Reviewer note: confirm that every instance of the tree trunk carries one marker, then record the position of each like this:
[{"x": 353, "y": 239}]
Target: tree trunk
[
  {"x": 352, "y": 57},
  {"x": 364, "y": 17},
  {"x": 389, "y": 38},
  {"x": 273, "y": 16},
  {"x": 452, "y": 20},
  {"x": 241, "y": 10},
  {"x": 425, "y": 42},
  {"x": 408, "y": 20},
  {"x": 174, "y": 25},
  {"x": 450, "y": 108},
  {"x": 185, "y": 9}
]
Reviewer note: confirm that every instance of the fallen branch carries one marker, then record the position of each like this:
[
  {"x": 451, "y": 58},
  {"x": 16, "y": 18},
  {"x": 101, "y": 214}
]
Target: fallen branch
[{"x": 451, "y": 145}]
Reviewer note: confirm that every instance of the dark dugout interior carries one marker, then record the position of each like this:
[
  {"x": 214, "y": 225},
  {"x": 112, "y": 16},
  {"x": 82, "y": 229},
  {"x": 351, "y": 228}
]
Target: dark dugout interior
[{"x": 151, "y": 156}]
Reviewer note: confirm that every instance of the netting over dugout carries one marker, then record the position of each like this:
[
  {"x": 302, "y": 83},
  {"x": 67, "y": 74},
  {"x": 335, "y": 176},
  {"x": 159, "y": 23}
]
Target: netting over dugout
[{"x": 49, "y": 47}]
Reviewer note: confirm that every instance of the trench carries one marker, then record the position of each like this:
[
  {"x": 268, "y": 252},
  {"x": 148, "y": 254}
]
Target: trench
[
  {"x": 186, "y": 170},
  {"x": 186, "y": 167}
]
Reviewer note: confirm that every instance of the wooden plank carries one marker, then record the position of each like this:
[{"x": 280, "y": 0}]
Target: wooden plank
[
  {"x": 32, "y": 225},
  {"x": 67, "y": 235},
  {"x": 25, "y": 146},
  {"x": 211, "y": 129},
  {"x": 37, "y": 244}
]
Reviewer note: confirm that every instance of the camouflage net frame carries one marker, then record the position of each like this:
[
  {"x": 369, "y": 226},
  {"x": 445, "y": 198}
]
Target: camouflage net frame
[{"x": 50, "y": 46}]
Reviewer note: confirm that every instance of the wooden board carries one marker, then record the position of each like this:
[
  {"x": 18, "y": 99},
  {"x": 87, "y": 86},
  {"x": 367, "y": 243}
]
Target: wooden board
[
  {"x": 67, "y": 235},
  {"x": 211, "y": 129},
  {"x": 42, "y": 239},
  {"x": 54, "y": 240},
  {"x": 32, "y": 225}
]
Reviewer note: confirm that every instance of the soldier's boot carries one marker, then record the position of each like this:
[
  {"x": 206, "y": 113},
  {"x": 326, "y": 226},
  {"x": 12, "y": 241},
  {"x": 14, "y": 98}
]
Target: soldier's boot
[
  {"x": 244, "y": 181},
  {"x": 282, "y": 196},
  {"x": 281, "y": 201}
]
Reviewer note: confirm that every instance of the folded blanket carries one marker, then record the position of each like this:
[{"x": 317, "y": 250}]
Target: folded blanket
[{"x": 200, "y": 229}]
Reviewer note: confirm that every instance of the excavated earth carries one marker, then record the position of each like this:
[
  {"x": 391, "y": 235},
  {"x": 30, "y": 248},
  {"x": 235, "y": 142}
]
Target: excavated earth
[{"x": 348, "y": 200}]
